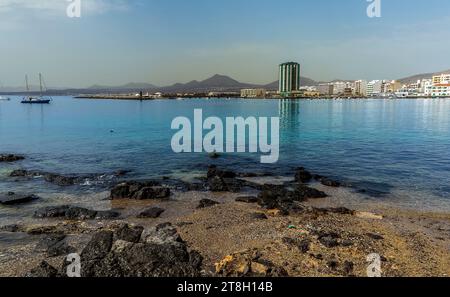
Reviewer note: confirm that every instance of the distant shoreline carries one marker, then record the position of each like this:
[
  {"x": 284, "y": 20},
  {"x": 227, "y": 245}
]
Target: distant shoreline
[{"x": 134, "y": 98}]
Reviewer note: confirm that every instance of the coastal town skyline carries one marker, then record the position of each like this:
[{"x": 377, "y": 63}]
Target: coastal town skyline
[{"x": 141, "y": 47}]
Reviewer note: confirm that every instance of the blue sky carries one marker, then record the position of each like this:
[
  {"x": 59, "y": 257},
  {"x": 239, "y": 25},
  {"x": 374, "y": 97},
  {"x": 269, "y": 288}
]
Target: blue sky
[{"x": 168, "y": 41}]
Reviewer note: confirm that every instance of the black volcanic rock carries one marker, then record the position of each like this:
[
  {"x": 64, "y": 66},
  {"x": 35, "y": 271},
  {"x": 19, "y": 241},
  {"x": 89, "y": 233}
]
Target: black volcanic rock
[
  {"x": 66, "y": 180},
  {"x": 12, "y": 198},
  {"x": 10, "y": 158},
  {"x": 160, "y": 253},
  {"x": 329, "y": 182},
  {"x": 129, "y": 233},
  {"x": 204, "y": 203},
  {"x": 151, "y": 213},
  {"x": 303, "y": 175},
  {"x": 74, "y": 213},
  {"x": 44, "y": 270},
  {"x": 140, "y": 191}
]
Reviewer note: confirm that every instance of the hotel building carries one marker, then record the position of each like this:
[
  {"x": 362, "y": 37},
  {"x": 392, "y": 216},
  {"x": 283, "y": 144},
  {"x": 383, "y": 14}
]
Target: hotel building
[
  {"x": 441, "y": 79},
  {"x": 374, "y": 87},
  {"x": 289, "y": 78},
  {"x": 253, "y": 93},
  {"x": 361, "y": 88}
]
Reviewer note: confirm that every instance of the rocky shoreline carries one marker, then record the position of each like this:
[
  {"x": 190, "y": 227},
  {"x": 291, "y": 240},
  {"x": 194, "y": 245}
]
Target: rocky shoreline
[{"x": 223, "y": 224}]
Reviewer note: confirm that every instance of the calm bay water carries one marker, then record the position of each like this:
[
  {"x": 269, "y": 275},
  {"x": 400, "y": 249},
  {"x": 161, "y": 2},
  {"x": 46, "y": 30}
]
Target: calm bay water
[{"x": 397, "y": 147}]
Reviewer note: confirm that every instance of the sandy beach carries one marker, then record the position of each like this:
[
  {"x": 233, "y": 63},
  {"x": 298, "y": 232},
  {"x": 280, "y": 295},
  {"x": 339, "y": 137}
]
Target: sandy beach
[{"x": 242, "y": 238}]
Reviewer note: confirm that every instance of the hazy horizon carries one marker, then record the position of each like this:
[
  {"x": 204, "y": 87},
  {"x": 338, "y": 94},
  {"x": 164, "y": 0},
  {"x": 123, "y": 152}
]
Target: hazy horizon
[{"x": 163, "y": 42}]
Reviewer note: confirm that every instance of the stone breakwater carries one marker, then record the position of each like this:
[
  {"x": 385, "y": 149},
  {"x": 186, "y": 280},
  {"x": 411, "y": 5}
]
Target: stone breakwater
[{"x": 224, "y": 224}]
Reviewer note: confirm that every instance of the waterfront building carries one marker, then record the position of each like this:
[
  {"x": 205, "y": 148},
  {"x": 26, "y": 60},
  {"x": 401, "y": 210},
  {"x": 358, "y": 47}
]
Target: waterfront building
[
  {"x": 440, "y": 90},
  {"x": 325, "y": 89},
  {"x": 392, "y": 86},
  {"x": 339, "y": 87},
  {"x": 361, "y": 88},
  {"x": 310, "y": 93},
  {"x": 441, "y": 79},
  {"x": 426, "y": 86},
  {"x": 289, "y": 78},
  {"x": 253, "y": 93},
  {"x": 374, "y": 88}
]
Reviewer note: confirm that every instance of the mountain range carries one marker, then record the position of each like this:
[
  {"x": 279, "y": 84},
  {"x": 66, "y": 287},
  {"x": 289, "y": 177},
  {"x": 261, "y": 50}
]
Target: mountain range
[
  {"x": 221, "y": 83},
  {"x": 415, "y": 78}
]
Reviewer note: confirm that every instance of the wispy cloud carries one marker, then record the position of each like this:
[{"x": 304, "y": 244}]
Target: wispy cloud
[
  {"x": 54, "y": 7},
  {"x": 19, "y": 14}
]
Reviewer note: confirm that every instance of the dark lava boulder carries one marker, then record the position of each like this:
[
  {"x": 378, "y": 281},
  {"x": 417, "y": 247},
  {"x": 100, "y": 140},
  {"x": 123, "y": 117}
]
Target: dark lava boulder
[
  {"x": 217, "y": 184},
  {"x": 161, "y": 253},
  {"x": 79, "y": 213},
  {"x": 204, "y": 203},
  {"x": 272, "y": 196},
  {"x": 151, "y": 213},
  {"x": 330, "y": 183},
  {"x": 99, "y": 246},
  {"x": 302, "y": 193},
  {"x": 303, "y": 176},
  {"x": 60, "y": 180},
  {"x": 10, "y": 158},
  {"x": 52, "y": 212},
  {"x": 129, "y": 233},
  {"x": 74, "y": 213},
  {"x": 107, "y": 215},
  {"x": 155, "y": 192},
  {"x": 140, "y": 191},
  {"x": 213, "y": 171},
  {"x": 44, "y": 270},
  {"x": 61, "y": 248},
  {"x": 48, "y": 241},
  {"x": 12, "y": 198},
  {"x": 24, "y": 173}
]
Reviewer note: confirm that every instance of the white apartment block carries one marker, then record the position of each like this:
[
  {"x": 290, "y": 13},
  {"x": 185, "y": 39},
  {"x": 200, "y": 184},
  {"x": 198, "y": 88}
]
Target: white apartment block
[
  {"x": 361, "y": 88},
  {"x": 441, "y": 79},
  {"x": 374, "y": 87}
]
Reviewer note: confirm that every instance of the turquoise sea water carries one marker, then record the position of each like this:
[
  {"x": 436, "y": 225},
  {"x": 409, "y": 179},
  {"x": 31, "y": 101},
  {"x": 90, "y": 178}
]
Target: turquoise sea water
[{"x": 399, "y": 148}]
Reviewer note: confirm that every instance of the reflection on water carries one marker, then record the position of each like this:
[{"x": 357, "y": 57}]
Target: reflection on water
[{"x": 289, "y": 113}]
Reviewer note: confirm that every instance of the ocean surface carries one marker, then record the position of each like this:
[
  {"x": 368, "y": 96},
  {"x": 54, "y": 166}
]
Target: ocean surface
[{"x": 397, "y": 150}]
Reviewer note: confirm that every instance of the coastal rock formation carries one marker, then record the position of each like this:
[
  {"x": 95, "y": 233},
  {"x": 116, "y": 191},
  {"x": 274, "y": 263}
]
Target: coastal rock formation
[
  {"x": 12, "y": 198},
  {"x": 43, "y": 270},
  {"x": 161, "y": 253},
  {"x": 213, "y": 171},
  {"x": 74, "y": 213},
  {"x": 302, "y": 175},
  {"x": 302, "y": 193},
  {"x": 67, "y": 180},
  {"x": 204, "y": 203},
  {"x": 225, "y": 181},
  {"x": 129, "y": 233},
  {"x": 10, "y": 158},
  {"x": 151, "y": 213},
  {"x": 140, "y": 191},
  {"x": 330, "y": 183}
]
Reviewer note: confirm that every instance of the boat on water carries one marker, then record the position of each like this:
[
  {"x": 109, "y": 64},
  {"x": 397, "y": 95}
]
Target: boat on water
[
  {"x": 39, "y": 99},
  {"x": 4, "y": 98}
]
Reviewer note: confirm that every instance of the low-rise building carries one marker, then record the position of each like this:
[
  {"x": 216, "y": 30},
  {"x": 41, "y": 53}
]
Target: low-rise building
[
  {"x": 440, "y": 90},
  {"x": 253, "y": 93},
  {"x": 441, "y": 79}
]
